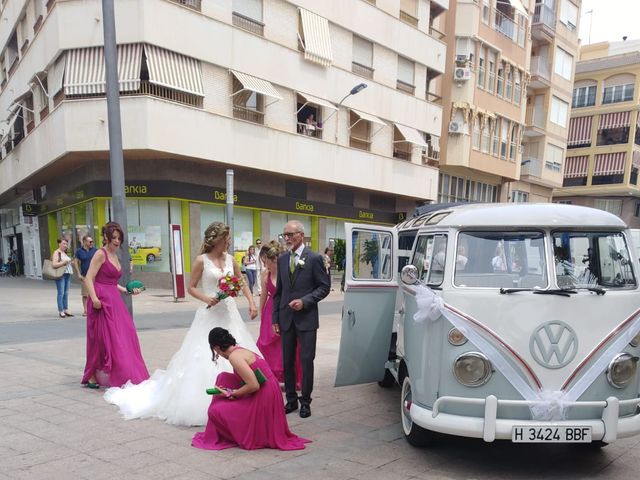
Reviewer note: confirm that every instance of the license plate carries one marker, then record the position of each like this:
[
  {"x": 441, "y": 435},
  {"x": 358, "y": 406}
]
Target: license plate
[{"x": 550, "y": 434}]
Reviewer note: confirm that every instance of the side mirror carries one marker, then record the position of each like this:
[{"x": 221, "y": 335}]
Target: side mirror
[{"x": 409, "y": 275}]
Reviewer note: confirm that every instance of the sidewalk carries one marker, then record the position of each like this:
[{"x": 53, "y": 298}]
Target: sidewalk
[{"x": 24, "y": 299}]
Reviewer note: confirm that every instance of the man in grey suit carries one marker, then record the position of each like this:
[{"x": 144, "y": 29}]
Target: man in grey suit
[{"x": 302, "y": 282}]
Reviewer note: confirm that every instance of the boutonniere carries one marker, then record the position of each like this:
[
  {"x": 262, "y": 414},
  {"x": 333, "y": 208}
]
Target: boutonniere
[{"x": 301, "y": 263}]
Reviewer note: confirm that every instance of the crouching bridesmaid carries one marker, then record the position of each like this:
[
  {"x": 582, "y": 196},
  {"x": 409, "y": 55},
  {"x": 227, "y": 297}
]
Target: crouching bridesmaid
[{"x": 245, "y": 414}]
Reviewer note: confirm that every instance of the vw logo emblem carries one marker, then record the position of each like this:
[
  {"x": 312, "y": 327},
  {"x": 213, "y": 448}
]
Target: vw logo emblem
[{"x": 554, "y": 344}]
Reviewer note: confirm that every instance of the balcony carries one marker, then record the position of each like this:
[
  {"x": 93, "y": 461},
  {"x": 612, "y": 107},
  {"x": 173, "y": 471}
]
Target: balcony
[
  {"x": 192, "y": 4},
  {"x": 408, "y": 18},
  {"x": 72, "y": 127},
  {"x": 540, "y": 72},
  {"x": 531, "y": 166},
  {"x": 535, "y": 121},
  {"x": 248, "y": 24},
  {"x": 362, "y": 70},
  {"x": 509, "y": 28},
  {"x": 543, "y": 26},
  {"x": 405, "y": 87}
]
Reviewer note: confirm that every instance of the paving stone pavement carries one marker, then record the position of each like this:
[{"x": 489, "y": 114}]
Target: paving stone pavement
[{"x": 52, "y": 428}]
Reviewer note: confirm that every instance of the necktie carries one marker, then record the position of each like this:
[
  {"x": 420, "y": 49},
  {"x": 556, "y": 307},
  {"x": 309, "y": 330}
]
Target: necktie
[{"x": 292, "y": 262}]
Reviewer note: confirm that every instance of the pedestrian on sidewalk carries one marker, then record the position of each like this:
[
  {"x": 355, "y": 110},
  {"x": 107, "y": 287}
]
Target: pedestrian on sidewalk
[
  {"x": 83, "y": 258},
  {"x": 61, "y": 259},
  {"x": 249, "y": 261},
  {"x": 259, "y": 267}
]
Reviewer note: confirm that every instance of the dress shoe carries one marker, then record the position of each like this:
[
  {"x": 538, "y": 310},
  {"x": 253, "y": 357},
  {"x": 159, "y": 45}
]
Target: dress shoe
[
  {"x": 305, "y": 411},
  {"x": 290, "y": 407}
]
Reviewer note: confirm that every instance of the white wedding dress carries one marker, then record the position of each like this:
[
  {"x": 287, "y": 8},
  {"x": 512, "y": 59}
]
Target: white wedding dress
[{"x": 178, "y": 394}]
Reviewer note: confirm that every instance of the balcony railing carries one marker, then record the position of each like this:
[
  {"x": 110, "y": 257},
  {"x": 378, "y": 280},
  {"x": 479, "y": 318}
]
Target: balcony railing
[
  {"x": 540, "y": 68},
  {"x": 309, "y": 130},
  {"x": 405, "y": 87},
  {"x": 360, "y": 143},
  {"x": 408, "y": 18},
  {"x": 509, "y": 28},
  {"x": 401, "y": 154},
  {"x": 362, "y": 70},
  {"x": 531, "y": 166},
  {"x": 192, "y": 4},
  {"x": 434, "y": 98},
  {"x": 436, "y": 33},
  {"x": 248, "y": 24},
  {"x": 544, "y": 15},
  {"x": 535, "y": 116},
  {"x": 146, "y": 88},
  {"x": 248, "y": 114}
]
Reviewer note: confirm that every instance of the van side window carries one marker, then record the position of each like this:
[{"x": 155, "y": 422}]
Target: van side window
[
  {"x": 430, "y": 258},
  {"x": 371, "y": 254},
  {"x": 587, "y": 259}
]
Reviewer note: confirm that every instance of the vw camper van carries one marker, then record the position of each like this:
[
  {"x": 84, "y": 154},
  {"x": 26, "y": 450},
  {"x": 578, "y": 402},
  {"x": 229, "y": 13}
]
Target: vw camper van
[{"x": 505, "y": 321}]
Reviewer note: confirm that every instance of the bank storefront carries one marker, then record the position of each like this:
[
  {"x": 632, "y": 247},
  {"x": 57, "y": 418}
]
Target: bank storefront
[{"x": 152, "y": 206}]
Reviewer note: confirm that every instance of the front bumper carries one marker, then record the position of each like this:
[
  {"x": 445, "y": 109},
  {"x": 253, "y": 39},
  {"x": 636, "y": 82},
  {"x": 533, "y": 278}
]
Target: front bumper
[{"x": 607, "y": 428}]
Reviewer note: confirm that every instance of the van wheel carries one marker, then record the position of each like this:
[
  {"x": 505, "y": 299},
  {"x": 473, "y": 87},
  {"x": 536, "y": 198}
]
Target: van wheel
[
  {"x": 388, "y": 381},
  {"x": 415, "y": 435}
]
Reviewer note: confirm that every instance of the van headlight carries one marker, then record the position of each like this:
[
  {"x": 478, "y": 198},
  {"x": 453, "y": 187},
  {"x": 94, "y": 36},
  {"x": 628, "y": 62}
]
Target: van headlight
[
  {"x": 622, "y": 369},
  {"x": 635, "y": 341},
  {"x": 472, "y": 369}
]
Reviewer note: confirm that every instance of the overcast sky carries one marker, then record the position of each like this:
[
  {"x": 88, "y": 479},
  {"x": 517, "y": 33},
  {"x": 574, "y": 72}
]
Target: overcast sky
[{"x": 610, "y": 20}]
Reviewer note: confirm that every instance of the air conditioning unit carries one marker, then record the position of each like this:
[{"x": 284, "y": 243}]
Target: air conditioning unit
[
  {"x": 455, "y": 127},
  {"x": 462, "y": 59},
  {"x": 461, "y": 74}
]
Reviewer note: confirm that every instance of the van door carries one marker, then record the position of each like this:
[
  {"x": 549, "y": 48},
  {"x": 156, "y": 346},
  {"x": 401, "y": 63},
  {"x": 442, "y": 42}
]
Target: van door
[{"x": 371, "y": 284}]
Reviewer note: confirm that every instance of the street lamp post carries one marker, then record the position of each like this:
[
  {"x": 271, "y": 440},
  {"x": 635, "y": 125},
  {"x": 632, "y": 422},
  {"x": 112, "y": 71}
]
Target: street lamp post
[
  {"x": 116, "y": 160},
  {"x": 357, "y": 89}
]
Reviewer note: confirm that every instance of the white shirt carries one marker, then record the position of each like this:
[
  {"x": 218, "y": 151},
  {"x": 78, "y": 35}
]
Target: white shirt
[{"x": 298, "y": 252}]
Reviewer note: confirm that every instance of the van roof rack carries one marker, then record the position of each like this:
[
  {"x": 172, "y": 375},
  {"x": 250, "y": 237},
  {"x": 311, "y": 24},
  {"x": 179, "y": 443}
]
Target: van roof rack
[{"x": 434, "y": 207}]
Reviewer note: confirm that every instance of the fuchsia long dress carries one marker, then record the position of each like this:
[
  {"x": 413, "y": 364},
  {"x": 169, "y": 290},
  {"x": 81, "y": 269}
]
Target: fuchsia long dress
[
  {"x": 113, "y": 350},
  {"x": 269, "y": 343},
  {"x": 251, "y": 422}
]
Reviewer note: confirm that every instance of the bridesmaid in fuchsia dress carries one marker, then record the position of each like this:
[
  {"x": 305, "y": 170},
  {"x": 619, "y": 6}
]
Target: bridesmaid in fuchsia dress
[
  {"x": 246, "y": 414},
  {"x": 113, "y": 350}
]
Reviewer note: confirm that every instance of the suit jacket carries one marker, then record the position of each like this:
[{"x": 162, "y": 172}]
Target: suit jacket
[{"x": 309, "y": 283}]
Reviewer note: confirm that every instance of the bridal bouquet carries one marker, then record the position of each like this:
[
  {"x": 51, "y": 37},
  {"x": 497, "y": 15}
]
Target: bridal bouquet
[{"x": 228, "y": 286}]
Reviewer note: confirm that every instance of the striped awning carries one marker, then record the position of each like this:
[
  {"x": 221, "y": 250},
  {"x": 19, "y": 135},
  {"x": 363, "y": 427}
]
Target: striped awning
[
  {"x": 576, "y": 167},
  {"x": 368, "y": 117},
  {"x": 609, "y": 163},
  {"x": 55, "y": 75},
  {"x": 580, "y": 131},
  {"x": 317, "y": 101},
  {"x": 255, "y": 84},
  {"x": 636, "y": 159},
  {"x": 173, "y": 70},
  {"x": 614, "y": 120},
  {"x": 84, "y": 71},
  {"x": 317, "y": 39},
  {"x": 411, "y": 135}
]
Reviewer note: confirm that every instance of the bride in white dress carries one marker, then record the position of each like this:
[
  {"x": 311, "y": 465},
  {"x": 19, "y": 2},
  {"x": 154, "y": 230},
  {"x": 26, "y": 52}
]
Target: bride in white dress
[{"x": 178, "y": 394}]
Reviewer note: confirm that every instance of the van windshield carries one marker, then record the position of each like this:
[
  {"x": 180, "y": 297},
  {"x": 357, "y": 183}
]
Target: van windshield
[
  {"x": 501, "y": 260},
  {"x": 591, "y": 259}
]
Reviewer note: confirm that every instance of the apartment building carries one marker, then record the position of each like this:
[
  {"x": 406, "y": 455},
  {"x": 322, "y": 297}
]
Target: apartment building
[
  {"x": 554, "y": 50},
  {"x": 506, "y": 109},
  {"x": 603, "y": 156},
  {"x": 270, "y": 88}
]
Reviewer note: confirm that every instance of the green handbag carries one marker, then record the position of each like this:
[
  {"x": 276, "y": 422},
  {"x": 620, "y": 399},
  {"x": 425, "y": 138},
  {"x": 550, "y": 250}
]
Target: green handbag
[{"x": 135, "y": 284}]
